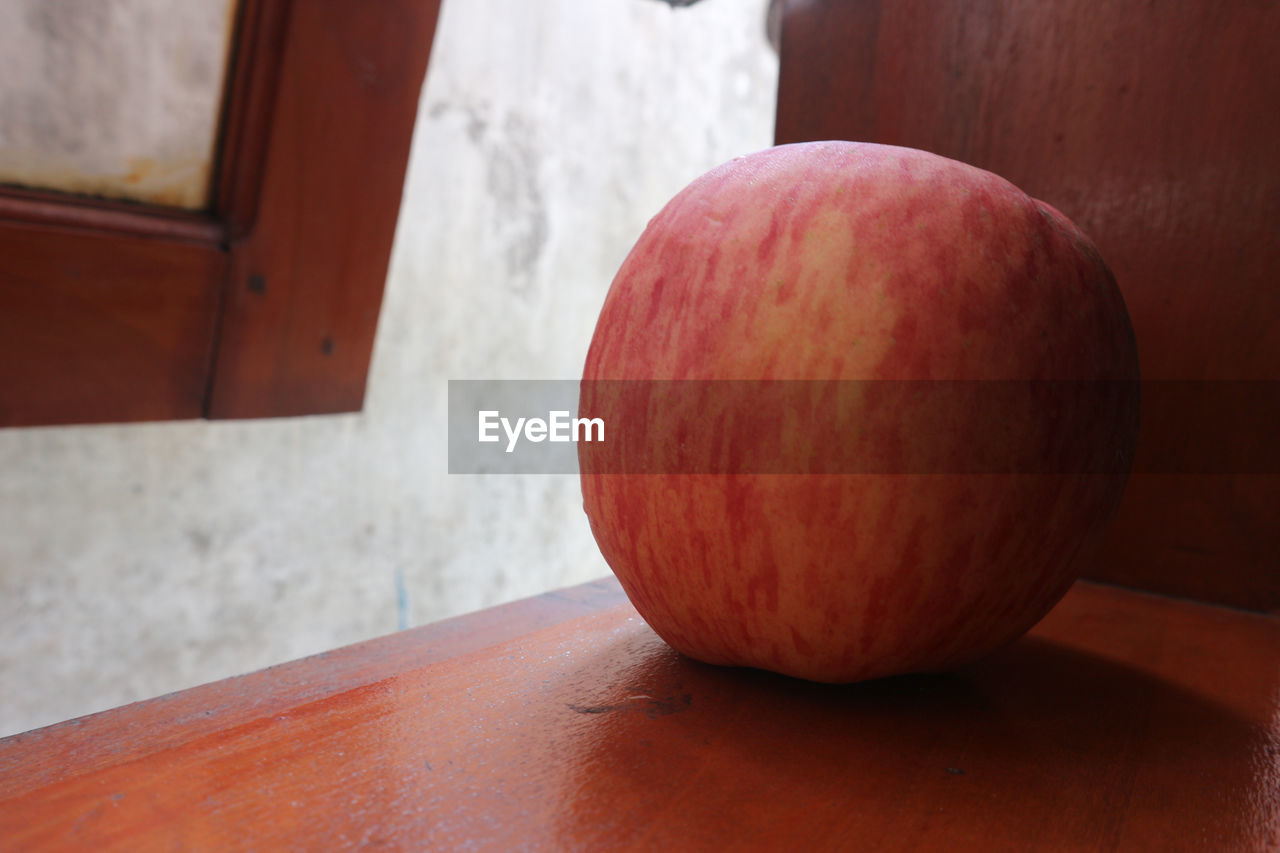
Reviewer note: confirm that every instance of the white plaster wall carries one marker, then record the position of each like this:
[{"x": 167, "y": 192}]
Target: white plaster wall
[{"x": 136, "y": 560}]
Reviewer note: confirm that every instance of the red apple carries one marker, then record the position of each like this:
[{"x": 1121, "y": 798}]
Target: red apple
[{"x": 871, "y": 542}]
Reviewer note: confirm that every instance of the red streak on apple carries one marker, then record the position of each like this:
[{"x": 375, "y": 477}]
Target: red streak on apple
[{"x": 849, "y": 261}]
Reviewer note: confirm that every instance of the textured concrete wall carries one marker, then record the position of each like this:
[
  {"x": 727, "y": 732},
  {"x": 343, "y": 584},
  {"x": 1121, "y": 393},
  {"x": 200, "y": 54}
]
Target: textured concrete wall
[{"x": 136, "y": 560}]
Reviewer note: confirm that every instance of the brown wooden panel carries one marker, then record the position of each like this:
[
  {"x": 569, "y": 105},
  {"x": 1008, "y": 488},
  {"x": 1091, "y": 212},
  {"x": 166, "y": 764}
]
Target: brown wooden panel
[
  {"x": 1124, "y": 721},
  {"x": 306, "y": 281},
  {"x": 98, "y": 325},
  {"x": 1154, "y": 127}
]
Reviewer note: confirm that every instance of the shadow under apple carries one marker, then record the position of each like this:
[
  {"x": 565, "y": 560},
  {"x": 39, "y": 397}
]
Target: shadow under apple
[{"x": 1037, "y": 746}]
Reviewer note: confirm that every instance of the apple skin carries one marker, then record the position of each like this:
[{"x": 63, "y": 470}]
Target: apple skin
[{"x": 850, "y": 261}]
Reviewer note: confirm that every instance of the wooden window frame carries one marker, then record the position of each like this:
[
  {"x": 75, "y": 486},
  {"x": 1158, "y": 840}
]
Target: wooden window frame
[{"x": 265, "y": 305}]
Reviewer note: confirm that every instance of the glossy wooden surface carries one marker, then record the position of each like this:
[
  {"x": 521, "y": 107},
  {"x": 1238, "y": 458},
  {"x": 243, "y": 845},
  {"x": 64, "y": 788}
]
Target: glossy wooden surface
[
  {"x": 1123, "y": 722},
  {"x": 1154, "y": 126}
]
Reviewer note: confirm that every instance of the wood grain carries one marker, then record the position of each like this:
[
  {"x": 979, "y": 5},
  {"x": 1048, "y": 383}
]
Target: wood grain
[
  {"x": 1123, "y": 722},
  {"x": 1154, "y": 127},
  {"x": 98, "y": 326},
  {"x": 305, "y": 284}
]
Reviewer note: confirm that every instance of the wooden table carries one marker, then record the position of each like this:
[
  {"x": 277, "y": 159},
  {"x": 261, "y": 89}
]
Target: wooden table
[{"x": 1124, "y": 721}]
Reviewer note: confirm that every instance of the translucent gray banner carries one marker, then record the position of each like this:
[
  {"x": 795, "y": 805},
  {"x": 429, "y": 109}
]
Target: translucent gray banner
[
  {"x": 862, "y": 427},
  {"x": 494, "y": 426}
]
